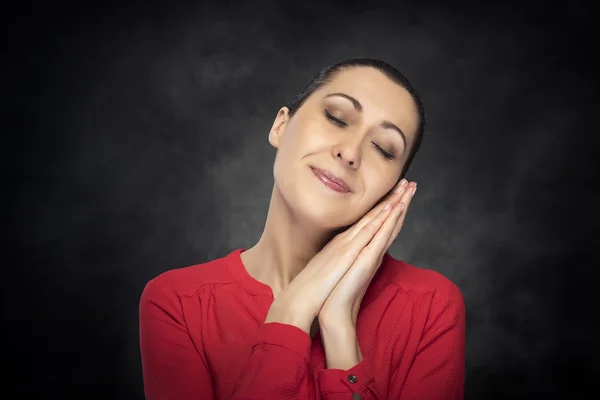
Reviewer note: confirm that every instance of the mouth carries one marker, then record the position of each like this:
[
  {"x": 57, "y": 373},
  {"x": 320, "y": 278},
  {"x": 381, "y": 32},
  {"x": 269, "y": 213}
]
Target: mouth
[{"x": 331, "y": 181}]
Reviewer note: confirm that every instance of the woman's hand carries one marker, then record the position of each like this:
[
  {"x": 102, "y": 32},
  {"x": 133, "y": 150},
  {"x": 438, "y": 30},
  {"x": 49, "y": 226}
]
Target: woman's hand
[
  {"x": 301, "y": 302},
  {"x": 340, "y": 310}
]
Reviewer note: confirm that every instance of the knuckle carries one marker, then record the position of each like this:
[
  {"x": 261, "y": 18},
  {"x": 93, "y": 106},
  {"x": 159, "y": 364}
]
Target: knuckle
[
  {"x": 372, "y": 228},
  {"x": 345, "y": 252},
  {"x": 369, "y": 251}
]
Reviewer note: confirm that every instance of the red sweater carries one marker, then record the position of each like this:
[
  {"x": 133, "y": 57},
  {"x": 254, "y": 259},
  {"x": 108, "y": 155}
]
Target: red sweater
[{"x": 203, "y": 336}]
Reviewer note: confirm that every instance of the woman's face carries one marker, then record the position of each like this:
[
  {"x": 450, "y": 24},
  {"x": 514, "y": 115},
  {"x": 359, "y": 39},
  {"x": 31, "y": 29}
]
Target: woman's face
[{"x": 344, "y": 148}]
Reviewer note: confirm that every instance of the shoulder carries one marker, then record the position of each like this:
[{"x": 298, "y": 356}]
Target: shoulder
[
  {"x": 407, "y": 277},
  {"x": 187, "y": 281}
]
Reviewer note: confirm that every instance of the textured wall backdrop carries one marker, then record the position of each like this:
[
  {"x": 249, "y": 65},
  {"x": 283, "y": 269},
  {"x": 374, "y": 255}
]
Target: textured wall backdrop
[{"x": 136, "y": 142}]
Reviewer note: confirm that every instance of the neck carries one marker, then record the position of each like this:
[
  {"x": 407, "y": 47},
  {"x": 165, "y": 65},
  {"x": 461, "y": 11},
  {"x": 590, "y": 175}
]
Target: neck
[{"x": 287, "y": 244}]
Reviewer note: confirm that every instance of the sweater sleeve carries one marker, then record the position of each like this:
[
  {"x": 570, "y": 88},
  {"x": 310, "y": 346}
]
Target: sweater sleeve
[
  {"x": 278, "y": 365},
  {"x": 438, "y": 370},
  {"x": 172, "y": 367},
  {"x": 354, "y": 383},
  {"x": 278, "y": 369}
]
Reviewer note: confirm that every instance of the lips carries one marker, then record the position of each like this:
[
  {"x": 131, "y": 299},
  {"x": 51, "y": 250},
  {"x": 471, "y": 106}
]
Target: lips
[{"x": 330, "y": 180}]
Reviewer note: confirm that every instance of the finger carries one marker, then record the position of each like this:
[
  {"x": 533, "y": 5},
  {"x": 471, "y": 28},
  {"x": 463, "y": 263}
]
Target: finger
[
  {"x": 407, "y": 198},
  {"x": 367, "y": 262},
  {"x": 377, "y": 245},
  {"x": 367, "y": 233},
  {"x": 392, "y": 197},
  {"x": 352, "y": 249}
]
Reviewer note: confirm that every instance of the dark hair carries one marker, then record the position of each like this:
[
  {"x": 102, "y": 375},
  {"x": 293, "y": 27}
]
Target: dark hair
[{"x": 327, "y": 74}]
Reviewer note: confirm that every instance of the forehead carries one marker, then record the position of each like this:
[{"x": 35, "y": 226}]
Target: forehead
[{"x": 379, "y": 95}]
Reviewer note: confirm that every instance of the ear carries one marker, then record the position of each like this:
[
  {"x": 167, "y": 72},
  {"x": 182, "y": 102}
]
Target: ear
[{"x": 279, "y": 125}]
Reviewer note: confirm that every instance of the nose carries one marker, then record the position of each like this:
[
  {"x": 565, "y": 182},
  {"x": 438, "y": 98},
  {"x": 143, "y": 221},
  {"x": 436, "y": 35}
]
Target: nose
[{"x": 348, "y": 154}]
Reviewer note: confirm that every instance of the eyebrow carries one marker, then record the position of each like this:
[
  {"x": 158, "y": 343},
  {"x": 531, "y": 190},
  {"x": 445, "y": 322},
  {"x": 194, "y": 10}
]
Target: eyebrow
[{"x": 358, "y": 107}]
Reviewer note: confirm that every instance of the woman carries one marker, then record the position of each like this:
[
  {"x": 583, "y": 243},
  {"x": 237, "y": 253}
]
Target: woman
[{"x": 317, "y": 309}]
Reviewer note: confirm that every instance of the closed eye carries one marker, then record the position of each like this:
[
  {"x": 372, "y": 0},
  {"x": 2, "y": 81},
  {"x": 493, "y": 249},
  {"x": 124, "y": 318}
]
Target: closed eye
[
  {"x": 342, "y": 124},
  {"x": 335, "y": 121},
  {"x": 384, "y": 153}
]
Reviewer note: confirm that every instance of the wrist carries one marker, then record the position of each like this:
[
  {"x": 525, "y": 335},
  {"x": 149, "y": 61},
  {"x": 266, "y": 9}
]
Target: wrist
[
  {"x": 339, "y": 325},
  {"x": 288, "y": 317},
  {"x": 342, "y": 350}
]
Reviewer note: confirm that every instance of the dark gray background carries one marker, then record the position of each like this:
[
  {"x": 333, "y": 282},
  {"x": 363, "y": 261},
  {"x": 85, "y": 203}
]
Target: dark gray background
[{"x": 135, "y": 141}]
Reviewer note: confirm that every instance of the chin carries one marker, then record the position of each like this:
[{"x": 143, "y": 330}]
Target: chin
[
  {"x": 323, "y": 212},
  {"x": 314, "y": 204}
]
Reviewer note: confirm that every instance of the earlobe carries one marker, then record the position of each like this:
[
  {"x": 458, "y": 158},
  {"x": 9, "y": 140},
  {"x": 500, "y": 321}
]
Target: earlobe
[{"x": 278, "y": 128}]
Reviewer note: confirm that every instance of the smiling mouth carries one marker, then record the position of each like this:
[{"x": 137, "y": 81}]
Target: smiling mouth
[{"x": 331, "y": 181}]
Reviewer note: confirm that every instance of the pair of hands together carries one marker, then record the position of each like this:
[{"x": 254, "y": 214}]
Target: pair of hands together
[{"x": 332, "y": 285}]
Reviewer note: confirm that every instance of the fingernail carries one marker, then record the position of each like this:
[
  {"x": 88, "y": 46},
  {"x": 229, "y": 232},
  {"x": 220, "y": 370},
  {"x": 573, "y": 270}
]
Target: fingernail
[
  {"x": 401, "y": 186},
  {"x": 402, "y": 205},
  {"x": 387, "y": 207},
  {"x": 414, "y": 190}
]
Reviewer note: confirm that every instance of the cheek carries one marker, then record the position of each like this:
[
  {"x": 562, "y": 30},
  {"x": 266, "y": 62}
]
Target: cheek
[
  {"x": 358, "y": 210},
  {"x": 305, "y": 138},
  {"x": 376, "y": 191},
  {"x": 296, "y": 143},
  {"x": 370, "y": 201}
]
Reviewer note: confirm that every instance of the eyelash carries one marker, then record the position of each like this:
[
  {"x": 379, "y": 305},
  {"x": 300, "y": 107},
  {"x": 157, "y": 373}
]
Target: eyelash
[{"x": 342, "y": 124}]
